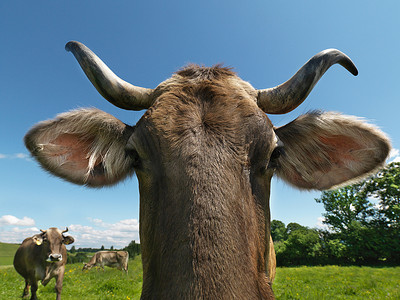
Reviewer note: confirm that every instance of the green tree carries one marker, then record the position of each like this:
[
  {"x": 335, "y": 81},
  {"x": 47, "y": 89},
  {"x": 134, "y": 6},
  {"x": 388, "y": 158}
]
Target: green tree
[
  {"x": 102, "y": 248},
  {"x": 278, "y": 230},
  {"x": 385, "y": 187},
  {"x": 73, "y": 249},
  {"x": 302, "y": 245},
  {"x": 133, "y": 249},
  {"x": 345, "y": 205},
  {"x": 364, "y": 219}
]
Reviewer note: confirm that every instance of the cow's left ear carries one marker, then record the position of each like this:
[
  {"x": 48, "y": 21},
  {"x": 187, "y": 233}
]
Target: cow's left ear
[
  {"x": 68, "y": 240},
  {"x": 85, "y": 146},
  {"x": 326, "y": 150}
]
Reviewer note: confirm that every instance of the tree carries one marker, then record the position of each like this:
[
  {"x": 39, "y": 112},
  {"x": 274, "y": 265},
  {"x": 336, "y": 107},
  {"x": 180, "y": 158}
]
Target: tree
[
  {"x": 278, "y": 230},
  {"x": 385, "y": 186},
  {"x": 102, "y": 248},
  {"x": 112, "y": 248},
  {"x": 133, "y": 249},
  {"x": 363, "y": 230},
  {"x": 73, "y": 249},
  {"x": 296, "y": 244},
  {"x": 345, "y": 205}
]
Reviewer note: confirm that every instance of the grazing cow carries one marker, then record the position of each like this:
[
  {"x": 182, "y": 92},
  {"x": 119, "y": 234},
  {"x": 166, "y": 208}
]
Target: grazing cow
[
  {"x": 204, "y": 153},
  {"x": 113, "y": 259},
  {"x": 42, "y": 257}
]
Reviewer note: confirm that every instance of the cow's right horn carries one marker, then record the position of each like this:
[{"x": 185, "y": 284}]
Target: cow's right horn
[
  {"x": 66, "y": 230},
  {"x": 287, "y": 96},
  {"x": 110, "y": 86}
]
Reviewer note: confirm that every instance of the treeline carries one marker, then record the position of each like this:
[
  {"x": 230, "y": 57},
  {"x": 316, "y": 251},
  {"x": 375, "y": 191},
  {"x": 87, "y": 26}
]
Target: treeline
[
  {"x": 363, "y": 226},
  {"x": 84, "y": 254}
]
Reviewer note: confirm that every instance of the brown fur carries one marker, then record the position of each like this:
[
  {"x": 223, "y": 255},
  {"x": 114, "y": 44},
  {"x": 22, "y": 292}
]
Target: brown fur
[
  {"x": 205, "y": 129},
  {"x": 203, "y": 156},
  {"x": 31, "y": 260},
  {"x": 113, "y": 259}
]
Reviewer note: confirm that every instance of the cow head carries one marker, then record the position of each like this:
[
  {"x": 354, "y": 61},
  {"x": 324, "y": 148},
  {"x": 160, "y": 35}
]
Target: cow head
[
  {"x": 204, "y": 153},
  {"x": 51, "y": 241},
  {"x": 86, "y": 266}
]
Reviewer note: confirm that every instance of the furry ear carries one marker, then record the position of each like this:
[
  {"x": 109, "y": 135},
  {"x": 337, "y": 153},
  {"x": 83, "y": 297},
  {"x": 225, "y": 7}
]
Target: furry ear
[
  {"x": 37, "y": 239},
  {"x": 68, "y": 240},
  {"x": 325, "y": 150},
  {"x": 85, "y": 146}
]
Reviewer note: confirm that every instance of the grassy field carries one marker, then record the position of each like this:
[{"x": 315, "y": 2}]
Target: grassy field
[
  {"x": 329, "y": 282},
  {"x": 333, "y": 282},
  {"x": 7, "y": 252},
  {"x": 78, "y": 284}
]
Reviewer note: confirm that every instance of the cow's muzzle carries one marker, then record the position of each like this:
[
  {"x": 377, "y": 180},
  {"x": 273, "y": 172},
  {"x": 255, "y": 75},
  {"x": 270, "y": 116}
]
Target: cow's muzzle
[{"x": 54, "y": 257}]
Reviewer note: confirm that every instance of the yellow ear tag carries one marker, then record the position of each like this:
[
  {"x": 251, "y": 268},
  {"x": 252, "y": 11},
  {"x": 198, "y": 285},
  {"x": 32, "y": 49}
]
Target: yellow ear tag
[{"x": 38, "y": 242}]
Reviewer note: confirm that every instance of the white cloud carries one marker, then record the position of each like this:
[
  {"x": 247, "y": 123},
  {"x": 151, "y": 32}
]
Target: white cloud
[
  {"x": 394, "y": 155},
  {"x": 320, "y": 224},
  {"x": 15, "y": 156},
  {"x": 21, "y": 155},
  {"x": 119, "y": 234},
  {"x": 12, "y": 220},
  {"x": 16, "y": 235}
]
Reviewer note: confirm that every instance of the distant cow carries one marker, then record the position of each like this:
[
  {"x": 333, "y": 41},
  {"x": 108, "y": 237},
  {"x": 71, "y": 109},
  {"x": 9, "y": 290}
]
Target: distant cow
[
  {"x": 113, "y": 259},
  {"x": 204, "y": 153},
  {"x": 42, "y": 257}
]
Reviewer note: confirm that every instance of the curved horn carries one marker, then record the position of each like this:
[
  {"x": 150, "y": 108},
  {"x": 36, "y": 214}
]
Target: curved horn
[
  {"x": 43, "y": 231},
  {"x": 110, "y": 86},
  {"x": 287, "y": 96},
  {"x": 66, "y": 230}
]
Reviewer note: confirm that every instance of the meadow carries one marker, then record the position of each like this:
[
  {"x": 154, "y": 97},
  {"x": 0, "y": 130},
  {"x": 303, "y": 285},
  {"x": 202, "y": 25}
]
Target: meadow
[
  {"x": 7, "y": 252},
  {"x": 329, "y": 282}
]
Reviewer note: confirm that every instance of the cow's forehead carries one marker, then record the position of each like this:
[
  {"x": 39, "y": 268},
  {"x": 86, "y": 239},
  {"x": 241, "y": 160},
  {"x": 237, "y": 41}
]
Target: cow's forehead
[
  {"x": 209, "y": 109},
  {"x": 54, "y": 232},
  {"x": 194, "y": 75}
]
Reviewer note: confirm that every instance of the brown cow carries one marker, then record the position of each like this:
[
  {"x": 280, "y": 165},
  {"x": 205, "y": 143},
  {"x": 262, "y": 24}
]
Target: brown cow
[
  {"x": 204, "y": 153},
  {"x": 113, "y": 259},
  {"x": 42, "y": 257}
]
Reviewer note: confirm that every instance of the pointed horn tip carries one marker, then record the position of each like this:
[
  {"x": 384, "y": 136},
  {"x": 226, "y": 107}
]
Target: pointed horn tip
[
  {"x": 347, "y": 62},
  {"x": 354, "y": 71},
  {"x": 71, "y": 45}
]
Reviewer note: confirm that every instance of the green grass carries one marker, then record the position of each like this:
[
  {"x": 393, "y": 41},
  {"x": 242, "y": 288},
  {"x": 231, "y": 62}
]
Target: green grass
[
  {"x": 7, "y": 252},
  {"x": 78, "y": 284},
  {"x": 331, "y": 282}
]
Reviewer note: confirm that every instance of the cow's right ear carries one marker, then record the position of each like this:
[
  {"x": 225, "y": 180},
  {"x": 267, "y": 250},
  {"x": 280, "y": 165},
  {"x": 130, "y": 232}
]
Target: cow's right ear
[
  {"x": 85, "y": 146},
  {"x": 37, "y": 239}
]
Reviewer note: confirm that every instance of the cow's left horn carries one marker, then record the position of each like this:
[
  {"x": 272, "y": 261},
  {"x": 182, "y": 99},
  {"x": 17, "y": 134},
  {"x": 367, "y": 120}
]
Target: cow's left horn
[
  {"x": 66, "y": 230},
  {"x": 43, "y": 231},
  {"x": 110, "y": 86},
  {"x": 287, "y": 96}
]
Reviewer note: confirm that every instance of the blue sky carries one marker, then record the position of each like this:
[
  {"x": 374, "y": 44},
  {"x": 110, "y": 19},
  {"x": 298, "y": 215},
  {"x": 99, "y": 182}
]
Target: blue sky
[{"x": 144, "y": 42}]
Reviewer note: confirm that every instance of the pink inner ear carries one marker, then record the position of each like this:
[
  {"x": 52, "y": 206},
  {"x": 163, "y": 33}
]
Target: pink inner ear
[
  {"x": 75, "y": 148},
  {"x": 341, "y": 148}
]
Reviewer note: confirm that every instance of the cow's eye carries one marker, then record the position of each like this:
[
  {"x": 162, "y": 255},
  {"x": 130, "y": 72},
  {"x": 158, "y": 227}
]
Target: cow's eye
[
  {"x": 276, "y": 153},
  {"x": 134, "y": 156}
]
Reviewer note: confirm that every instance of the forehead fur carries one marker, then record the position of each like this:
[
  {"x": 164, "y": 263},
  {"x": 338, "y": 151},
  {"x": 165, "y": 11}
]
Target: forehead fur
[
  {"x": 207, "y": 108},
  {"x": 193, "y": 71}
]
